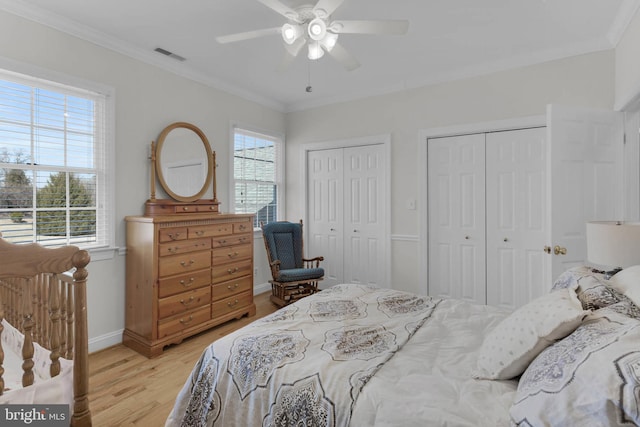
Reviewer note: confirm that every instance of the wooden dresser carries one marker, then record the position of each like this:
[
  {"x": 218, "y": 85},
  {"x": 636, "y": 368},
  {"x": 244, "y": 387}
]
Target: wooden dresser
[{"x": 185, "y": 273}]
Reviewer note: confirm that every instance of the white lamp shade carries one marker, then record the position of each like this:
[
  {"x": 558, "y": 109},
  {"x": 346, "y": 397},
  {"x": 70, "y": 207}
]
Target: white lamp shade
[
  {"x": 613, "y": 243},
  {"x": 317, "y": 29},
  {"x": 315, "y": 51}
]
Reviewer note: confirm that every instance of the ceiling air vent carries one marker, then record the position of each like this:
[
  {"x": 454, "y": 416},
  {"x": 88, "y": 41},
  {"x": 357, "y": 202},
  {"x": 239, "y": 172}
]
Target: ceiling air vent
[{"x": 170, "y": 54}]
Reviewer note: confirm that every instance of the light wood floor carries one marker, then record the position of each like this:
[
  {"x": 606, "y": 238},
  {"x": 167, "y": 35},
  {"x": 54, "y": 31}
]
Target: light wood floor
[{"x": 127, "y": 389}]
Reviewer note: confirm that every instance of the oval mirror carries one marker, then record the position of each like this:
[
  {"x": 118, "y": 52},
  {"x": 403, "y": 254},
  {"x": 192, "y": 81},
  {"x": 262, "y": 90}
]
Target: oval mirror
[{"x": 184, "y": 162}]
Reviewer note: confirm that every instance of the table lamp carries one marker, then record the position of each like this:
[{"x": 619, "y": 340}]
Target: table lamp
[{"x": 613, "y": 244}]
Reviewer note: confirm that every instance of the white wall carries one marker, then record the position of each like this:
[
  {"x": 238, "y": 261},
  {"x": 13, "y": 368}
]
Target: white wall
[
  {"x": 628, "y": 65},
  {"x": 147, "y": 100},
  {"x": 586, "y": 80}
]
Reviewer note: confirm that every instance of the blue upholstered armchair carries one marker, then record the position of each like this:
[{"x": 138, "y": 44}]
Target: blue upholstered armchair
[{"x": 293, "y": 275}]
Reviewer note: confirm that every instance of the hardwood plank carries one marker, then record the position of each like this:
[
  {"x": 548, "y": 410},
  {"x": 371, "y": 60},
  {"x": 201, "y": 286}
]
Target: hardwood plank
[{"x": 127, "y": 389}]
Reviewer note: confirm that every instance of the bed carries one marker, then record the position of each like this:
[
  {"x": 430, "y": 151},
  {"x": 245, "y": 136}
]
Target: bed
[
  {"x": 356, "y": 355},
  {"x": 43, "y": 329}
]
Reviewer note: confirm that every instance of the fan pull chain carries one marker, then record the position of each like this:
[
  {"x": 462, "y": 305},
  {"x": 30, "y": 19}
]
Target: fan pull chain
[{"x": 309, "y": 88}]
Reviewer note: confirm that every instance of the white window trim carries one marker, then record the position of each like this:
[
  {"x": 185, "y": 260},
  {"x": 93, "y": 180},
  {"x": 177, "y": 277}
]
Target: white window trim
[
  {"x": 107, "y": 250},
  {"x": 280, "y": 166}
]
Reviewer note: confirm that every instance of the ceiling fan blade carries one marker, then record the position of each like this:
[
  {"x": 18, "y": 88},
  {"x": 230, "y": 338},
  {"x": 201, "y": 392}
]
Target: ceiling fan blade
[
  {"x": 325, "y": 8},
  {"x": 340, "y": 54},
  {"x": 282, "y": 9},
  {"x": 391, "y": 27},
  {"x": 248, "y": 35}
]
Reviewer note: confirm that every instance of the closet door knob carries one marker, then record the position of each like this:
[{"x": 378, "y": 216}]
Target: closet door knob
[
  {"x": 466, "y": 237},
  {"x": 505, "y": 239}
]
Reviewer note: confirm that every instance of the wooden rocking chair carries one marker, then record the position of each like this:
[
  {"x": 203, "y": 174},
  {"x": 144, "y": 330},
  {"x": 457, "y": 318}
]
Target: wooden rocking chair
[{"x": 294, "y": 276}]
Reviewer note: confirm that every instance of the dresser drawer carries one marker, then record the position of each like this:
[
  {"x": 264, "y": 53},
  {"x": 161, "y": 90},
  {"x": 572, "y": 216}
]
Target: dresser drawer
[
  {"x": 178, "y": 264},
  {"x": 232, "y": 287},
  {"x": 242, "y": 227},
  {"x": 176, "y": 284},
  {"x": 176, "y": 324},
  {"x": 183, "y": 246},
  {"x": 225, "y": 272},
  {"x": 178, "y": 304},
  {"x": 230, "y": 254},
  {"x": 210, "y": 230},
  {"x": 230, "y": 304},
  {"x": 222, "y": 241},
  {"x": 172, "y": 234}
]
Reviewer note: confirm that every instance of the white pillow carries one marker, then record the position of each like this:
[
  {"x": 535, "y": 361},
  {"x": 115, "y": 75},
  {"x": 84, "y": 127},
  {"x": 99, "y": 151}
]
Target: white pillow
[
  {"x": 509, "y": 348},
  {"x": 627, "y": 281}
]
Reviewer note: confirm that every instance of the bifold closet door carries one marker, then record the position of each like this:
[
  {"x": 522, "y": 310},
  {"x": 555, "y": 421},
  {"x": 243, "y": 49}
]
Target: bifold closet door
[
  {"x": 325, "y": 194},
  {"x": 516, "y": 206},
  {"x": 346, "y": 213},
  {"x": 456, "y": 209},
  {"x": 365, "y": 250}
]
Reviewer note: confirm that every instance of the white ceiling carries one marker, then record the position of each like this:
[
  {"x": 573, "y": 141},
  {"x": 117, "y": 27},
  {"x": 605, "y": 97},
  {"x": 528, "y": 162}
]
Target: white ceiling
[{"x": 447, "y": 40}]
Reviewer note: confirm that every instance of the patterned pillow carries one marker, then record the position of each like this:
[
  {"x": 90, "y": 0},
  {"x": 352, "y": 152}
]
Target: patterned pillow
[
  {"x": 595, "y": 293},
  {"x": 509, "y": 348},
  {"x": 570, "y": 277},
  {"x": 589, "y": 378}
]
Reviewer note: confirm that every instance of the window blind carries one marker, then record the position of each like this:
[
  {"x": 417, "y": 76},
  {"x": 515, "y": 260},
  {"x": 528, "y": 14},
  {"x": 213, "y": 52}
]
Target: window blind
[
  {"x": 256, "y": 171},
  {"x": 53, "y": 186}
]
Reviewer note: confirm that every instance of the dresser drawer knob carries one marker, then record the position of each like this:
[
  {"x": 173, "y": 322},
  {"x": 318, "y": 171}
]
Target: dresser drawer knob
[
  {"x": 222, "y": 242},
  {"x": 232, "y": 254},
  {"x": 185, "y": 208},
  {"x": 242, "y": 227},
  {"x": 232, "y": 270},
  {"x": 235, "y": 286},
  {"x": 231, "y": 304},
  {"x": 175, "y": 236},
  {"x": 187, "y": 264},
  {"x": 200, "y": 232},
  {"x": 185, "y": 284},
  {"x": 173, "y": 250},
  {"x": 185, "y": 303},
  {"x": 184, "y": 322}
]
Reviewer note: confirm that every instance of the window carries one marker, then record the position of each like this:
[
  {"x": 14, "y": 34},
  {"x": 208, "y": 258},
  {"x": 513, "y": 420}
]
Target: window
[
  {"x": 53, "y": 187},
  {"x": 257, "y": 168}
]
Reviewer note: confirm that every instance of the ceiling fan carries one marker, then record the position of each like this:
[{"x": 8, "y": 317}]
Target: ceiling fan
[{"x": 314, "y": 27}]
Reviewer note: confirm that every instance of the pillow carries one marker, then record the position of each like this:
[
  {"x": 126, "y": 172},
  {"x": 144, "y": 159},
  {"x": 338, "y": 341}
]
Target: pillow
[
  {"x": 509, "y": 348},
  {"x": 627, "y": 281},
  {"x": 571, "y": 277},
  {"x": 595, "y": 293},
  {"x": 589, "y": 378}
]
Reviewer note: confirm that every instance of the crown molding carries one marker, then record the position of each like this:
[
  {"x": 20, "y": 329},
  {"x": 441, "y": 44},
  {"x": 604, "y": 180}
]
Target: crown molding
[{"x": 73, "y": 28}]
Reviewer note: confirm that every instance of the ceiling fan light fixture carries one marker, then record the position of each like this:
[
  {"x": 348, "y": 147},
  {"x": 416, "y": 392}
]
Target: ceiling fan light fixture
[
  {"x": 291, "y": 33},
  {"x": 315, "y": 51},
  {"x": 317, "y": 29},
  {"x": 329, "y": 41}
]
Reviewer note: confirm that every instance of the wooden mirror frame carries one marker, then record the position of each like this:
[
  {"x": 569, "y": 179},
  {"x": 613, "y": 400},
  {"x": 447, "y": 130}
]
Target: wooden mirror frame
[
  {"x": 181, "y": 203},
  {"x": 158, "y": 162}
]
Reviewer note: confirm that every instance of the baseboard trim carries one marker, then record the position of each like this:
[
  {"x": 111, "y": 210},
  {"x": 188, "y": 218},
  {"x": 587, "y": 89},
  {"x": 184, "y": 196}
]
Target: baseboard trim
[
  {"x": 105, "y": 341},
  {"x": 261, "y": 288}
]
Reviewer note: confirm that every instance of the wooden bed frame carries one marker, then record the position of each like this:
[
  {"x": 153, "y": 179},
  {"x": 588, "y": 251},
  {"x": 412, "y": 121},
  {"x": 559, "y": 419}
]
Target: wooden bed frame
[{"x": 41, "y": 298}]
